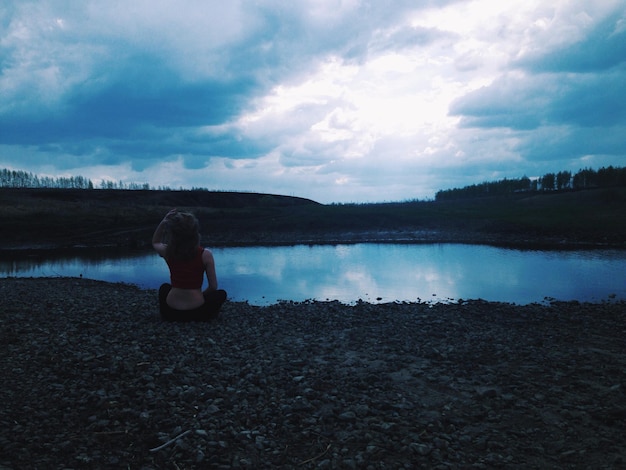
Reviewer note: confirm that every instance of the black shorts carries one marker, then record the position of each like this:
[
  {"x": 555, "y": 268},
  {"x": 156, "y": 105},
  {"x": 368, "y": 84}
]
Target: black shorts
[{"x": 213, "y": 301}]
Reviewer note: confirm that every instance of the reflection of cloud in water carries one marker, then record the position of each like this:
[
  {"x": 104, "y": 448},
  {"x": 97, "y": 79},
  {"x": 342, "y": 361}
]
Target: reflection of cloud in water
[
  {"x": 343, "y": 251},
  {"x": 246, "y": 263},
  {"x": 361, "y": 282},
  {"x": 351, "y": 272},
  {"x": 429, "y": 277}
]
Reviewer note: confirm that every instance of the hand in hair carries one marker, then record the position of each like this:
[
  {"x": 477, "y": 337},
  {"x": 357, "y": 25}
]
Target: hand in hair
[{"x": 170, "y": 214}]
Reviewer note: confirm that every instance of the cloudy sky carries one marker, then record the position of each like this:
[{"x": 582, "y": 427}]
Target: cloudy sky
[{"x": 333, "y": 100}]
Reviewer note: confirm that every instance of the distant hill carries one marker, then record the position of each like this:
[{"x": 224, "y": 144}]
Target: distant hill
[
  {"x": 68, "y": 217},
  {"x": 189, "y": 198},
  {"x": 58, "y": 218}
]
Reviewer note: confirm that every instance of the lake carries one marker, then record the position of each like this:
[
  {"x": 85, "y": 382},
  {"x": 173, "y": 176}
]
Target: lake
[{"x": 369, "y": 272}]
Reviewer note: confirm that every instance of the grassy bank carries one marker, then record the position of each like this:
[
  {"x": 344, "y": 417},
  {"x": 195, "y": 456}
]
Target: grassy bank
[{"x": 62, "y": 217}]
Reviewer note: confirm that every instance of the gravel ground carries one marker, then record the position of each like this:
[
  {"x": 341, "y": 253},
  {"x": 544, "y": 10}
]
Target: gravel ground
[{"x": 92, "y": 378}]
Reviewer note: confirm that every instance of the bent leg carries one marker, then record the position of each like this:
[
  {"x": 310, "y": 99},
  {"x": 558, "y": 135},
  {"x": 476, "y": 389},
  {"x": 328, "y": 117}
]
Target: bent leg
[
  {"x": 213, "y": 301},
  {"x": 164, "y": 309}
]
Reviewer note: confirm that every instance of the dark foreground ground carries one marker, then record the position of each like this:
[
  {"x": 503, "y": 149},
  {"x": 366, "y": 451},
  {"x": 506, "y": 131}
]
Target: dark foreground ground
[{"x": 93, "y": 379}]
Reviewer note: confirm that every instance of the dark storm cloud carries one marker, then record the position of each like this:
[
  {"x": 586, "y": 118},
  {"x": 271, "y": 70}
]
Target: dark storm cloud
[
  {"x": 568, "y": 144},
  {"x": 528, "y": 102},
  {"x": 565, "y": 104},
  {"x": 603, "y": 48},
  {"x": 139, "y": 96},
  {"x": 581, "y": 84}
]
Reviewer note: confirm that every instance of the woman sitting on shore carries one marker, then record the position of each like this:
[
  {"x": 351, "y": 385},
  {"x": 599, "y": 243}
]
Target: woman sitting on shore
[{"x": 177, "y": 240}]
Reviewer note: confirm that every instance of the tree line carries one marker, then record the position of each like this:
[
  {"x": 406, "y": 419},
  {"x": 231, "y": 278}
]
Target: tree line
[
  {"x": 563, "y": 180},
  {"x": 23, "y": 179}
]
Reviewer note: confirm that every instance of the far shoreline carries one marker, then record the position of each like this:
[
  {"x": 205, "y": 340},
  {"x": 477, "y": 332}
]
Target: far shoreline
[{"x": 406, "y": 237}]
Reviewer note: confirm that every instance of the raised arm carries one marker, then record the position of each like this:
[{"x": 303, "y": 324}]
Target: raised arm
[{"x": 157, "y": 237}]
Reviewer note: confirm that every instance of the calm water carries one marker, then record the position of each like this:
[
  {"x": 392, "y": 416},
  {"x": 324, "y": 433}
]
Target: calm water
[{"x": 370, "y": 272}]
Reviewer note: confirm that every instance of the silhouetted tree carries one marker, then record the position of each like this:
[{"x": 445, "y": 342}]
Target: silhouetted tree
[
  {"x": 563, "y": 179},
  {"x": 547, "y": 182}
]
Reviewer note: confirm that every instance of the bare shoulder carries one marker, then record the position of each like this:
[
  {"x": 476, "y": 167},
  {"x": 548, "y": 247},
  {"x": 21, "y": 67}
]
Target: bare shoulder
[
  {"x": 207, "y": 256},
  {"x": 160, "y": 248}
]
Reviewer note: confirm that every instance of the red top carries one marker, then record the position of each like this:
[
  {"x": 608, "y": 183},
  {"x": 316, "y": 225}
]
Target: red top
[{"x": 188, "y": 274}]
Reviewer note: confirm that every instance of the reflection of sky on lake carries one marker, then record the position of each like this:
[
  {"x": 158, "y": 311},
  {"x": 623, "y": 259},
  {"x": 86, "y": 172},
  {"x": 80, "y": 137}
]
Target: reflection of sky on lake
[{"x": 390, "y": 272}]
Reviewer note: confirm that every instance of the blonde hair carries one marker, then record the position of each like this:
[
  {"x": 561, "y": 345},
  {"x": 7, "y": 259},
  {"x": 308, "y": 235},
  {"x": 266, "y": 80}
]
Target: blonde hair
[{"x": 183, "y": 233}]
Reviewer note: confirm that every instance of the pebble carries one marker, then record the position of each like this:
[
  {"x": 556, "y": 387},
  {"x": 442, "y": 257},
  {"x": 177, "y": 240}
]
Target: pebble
[{"x": 306, "y": 385}]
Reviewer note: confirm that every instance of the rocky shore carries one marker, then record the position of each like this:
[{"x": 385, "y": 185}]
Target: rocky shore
[{"x": 92, "y": 378}]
